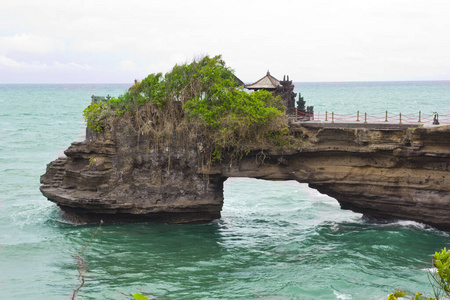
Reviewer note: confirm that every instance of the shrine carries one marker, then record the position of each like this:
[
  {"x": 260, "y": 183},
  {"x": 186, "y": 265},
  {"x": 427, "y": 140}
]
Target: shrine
[{"x": 285, "y": 89}]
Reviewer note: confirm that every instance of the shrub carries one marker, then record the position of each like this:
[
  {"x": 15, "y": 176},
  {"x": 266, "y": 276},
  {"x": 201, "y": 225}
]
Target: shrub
[
  {"x": 439, "y": 278},
  {"x": 91, "y": 116},
  {"x": 203, "y": 94}
]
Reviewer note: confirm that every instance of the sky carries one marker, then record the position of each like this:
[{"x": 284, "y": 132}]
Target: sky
[{"x": 77, "y": 41}]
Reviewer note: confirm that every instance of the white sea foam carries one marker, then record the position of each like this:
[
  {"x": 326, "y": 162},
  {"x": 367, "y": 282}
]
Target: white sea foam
[
  {"x": 275, "y": 241},
  {"x": 430, "y": 270},
  {"x": 405, "y": 223},
  {"x": 342, "y": 296}
]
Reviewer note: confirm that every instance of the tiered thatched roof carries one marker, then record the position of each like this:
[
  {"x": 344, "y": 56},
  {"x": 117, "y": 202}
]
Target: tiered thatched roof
[{"x": 268, "y": 82}]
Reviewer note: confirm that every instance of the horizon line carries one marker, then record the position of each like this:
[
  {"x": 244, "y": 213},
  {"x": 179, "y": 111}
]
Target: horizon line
[{"x": 131, "y": 83}]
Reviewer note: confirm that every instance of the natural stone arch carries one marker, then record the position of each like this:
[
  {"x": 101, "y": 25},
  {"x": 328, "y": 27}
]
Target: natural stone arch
[{"x": 382, "y": 171}]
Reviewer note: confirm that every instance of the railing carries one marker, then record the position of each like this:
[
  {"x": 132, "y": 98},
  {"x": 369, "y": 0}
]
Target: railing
[
  {"x": 382, "y": 117},
  {"x": 303, "y": 115}
]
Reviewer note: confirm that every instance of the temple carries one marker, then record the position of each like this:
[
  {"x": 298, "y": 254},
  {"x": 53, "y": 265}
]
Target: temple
[{"x": 283, "y": 88}]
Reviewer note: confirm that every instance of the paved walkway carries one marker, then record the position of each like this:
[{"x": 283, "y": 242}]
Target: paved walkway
[{"x": 385, "y": 126}]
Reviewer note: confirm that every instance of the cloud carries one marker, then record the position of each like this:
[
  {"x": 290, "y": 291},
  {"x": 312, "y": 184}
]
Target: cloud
[
  {"x": 12, "y": 64},
  {"x": 127, "y": 65},
  {"x": 72, "y": 66},
  {"x": 17, "y": 71},
  {"x": 30, "y": 43},
  {"x": 9, "y": 62},
  {"x": 318, "y": 40},
  {"x": 99, "y": 45}
]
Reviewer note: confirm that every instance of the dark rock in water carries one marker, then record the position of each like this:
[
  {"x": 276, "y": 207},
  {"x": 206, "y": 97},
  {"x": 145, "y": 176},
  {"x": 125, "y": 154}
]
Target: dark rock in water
[
  {"x": 380, "y": 171},
  {"x": 109, "y": 177}
]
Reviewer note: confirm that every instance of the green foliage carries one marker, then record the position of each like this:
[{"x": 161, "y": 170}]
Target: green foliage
[
  {"x": 439, "y": 278},
  {"x": 91, "y": 116},
  {"x": 139, "y": 297},
  {"x": 121, "y": 104},
  {"x": 231, "y": 117},
  {"x": 205, "y": 95},
  {"x": 153, "y": 89},
  {"x": 236, "y": 119},
  {"x": 396, "y": 294},
  {"x": 96, "y": 114},
  {"x": 417, "y": 297},
  {"x": 232, "y": 107},
  {"x": 400, "y": 294},
  {"x": 442, "y": 263}
]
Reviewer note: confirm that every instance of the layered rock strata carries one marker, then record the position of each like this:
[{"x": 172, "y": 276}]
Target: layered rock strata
[
  {"x": 380, "y": 171},
  {"x": 119, "y": 176}
]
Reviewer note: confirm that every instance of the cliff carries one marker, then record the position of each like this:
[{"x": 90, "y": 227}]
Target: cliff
[{"x": 380, "y": 171}]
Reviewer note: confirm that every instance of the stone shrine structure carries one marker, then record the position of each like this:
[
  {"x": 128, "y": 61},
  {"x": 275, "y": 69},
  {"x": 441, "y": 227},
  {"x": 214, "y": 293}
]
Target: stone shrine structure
[{"x": 283, "y": 88}]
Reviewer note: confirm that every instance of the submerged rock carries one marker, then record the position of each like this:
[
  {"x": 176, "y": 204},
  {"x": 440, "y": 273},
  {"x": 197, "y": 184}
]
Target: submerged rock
[{"x": 380, "y": 171}]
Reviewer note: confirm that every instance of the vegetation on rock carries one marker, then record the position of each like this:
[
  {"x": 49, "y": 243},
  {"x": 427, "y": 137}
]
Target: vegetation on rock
[
  {"x": 92, "y": 116},
  {"x": 201, "y": 100}
]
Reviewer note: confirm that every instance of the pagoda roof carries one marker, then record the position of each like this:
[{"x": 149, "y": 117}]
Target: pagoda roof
[
  {"x": 267, "y": 82},
  {"x": 239, "y": 82}
]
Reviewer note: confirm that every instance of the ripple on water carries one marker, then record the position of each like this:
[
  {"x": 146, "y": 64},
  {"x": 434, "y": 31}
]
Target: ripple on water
[{"x": 276, "y": 240}]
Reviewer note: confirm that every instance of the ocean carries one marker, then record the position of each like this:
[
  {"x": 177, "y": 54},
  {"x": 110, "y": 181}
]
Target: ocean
[{"x": 275, "y": 240}]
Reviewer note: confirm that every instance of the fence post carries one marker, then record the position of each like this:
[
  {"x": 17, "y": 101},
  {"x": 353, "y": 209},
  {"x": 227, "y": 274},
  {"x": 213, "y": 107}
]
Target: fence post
[
  {"x": 296, "y": 115},
  {"x": 400, "y": 115},
  {"x": 365, "y": 118},
  {"x": 386, "y": 117},
  {"x": 357, "y": 116},
  {"x": 326, "y": 116},
  {"x": 332, "y": 117},
  {"x": 420, "y": 115}
]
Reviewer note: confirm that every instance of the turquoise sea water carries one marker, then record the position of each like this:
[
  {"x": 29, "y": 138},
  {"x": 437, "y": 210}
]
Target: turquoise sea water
[
  {"x": 276, "y": 240},
  {"x": 373, "y": 97}
]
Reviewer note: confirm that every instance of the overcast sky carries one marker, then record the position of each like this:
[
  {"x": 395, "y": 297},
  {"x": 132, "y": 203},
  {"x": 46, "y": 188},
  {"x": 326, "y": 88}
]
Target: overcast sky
[{"x": 76, "y": 41}]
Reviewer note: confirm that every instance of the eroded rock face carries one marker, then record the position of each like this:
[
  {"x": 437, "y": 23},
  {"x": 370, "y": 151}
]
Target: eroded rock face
[
  {"x": 387, "y": 172},
  {"x": 109, "y": 177}
]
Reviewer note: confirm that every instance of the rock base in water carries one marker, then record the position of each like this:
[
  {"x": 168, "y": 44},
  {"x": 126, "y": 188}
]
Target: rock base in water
[{"x": 388, "y": 172}]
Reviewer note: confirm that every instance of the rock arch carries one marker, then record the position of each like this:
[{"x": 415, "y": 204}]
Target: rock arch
[{"x": 385, "y": 171}]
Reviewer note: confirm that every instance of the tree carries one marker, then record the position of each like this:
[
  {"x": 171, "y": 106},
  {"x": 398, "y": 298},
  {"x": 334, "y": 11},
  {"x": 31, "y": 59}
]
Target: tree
[{"x": 205, "y": 95}]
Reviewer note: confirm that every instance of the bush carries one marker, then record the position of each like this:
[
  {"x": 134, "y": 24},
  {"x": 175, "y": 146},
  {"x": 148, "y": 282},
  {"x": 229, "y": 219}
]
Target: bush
[
  {"x": 91, "y": 116},
  {"x": 439, "y": 278},
  {"x": 204, "y": 94}
]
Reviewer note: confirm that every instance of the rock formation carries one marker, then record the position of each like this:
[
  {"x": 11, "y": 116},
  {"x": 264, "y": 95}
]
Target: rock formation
[{"x": 380, "y": 171}]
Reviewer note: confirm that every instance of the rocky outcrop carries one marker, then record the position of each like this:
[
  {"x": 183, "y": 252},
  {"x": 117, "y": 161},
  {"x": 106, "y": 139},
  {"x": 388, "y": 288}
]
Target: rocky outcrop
[
  {"x": 380, "y": 171},
  {"x": 118, "y": 176}
]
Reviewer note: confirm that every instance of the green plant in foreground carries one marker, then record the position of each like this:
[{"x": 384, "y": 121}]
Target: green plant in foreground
[
  {"x": 442, "y": 264},
  {"x": 395, "y": 295},
  {"x": 139, "y": 297},
  {"x": 439, "y": 278},
  {"x": 399, "y": 294}
]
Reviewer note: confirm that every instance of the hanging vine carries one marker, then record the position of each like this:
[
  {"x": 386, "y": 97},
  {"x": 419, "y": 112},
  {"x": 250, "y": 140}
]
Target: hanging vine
[{"x": 201, "y": 100}]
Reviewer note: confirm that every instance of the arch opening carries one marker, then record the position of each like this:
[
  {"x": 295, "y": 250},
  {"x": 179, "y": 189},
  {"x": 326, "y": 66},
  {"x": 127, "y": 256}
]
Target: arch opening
[{"x": 254, "y": 201}]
